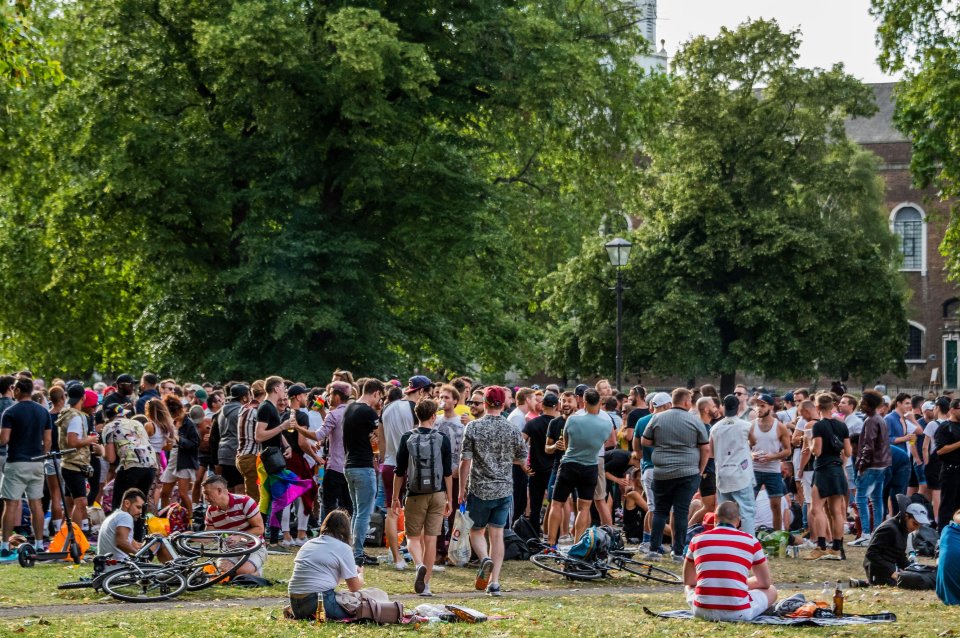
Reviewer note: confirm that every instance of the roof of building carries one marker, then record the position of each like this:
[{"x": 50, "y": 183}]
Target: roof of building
[{"x": 879, "y": 128}]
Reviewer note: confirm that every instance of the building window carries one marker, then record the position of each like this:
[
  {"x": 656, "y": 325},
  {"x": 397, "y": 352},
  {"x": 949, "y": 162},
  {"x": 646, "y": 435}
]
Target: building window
[
  {"x": 909, "y": 226},
  {"x": 950, "y": 307},
  {"x": 915, "y": 334}
]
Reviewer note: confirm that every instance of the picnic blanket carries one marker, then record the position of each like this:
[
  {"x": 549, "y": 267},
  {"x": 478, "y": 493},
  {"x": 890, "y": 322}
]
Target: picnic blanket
[{"x": 865, "y": 619}]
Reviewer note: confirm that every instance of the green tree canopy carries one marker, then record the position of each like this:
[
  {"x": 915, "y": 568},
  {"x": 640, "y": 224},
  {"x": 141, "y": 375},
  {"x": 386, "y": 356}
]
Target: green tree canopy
[
  {"x": 25, "y": 57},
  {"x": 763, "y": 247}
]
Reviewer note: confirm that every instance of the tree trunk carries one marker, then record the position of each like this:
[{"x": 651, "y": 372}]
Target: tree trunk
[{"x": 728, "y": 381}]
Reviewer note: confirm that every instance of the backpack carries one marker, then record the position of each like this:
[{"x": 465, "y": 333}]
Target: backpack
[
  {"x": 425, "y": 469},
  {"x": 592, "y": 544},
  {"x": 514, "y": 547},
  {"x": 923, "y": 500},
  {"x": 524, "y": 529},
  {"x": 614, "y": 538},
  {"x": 925, "y": 541}
]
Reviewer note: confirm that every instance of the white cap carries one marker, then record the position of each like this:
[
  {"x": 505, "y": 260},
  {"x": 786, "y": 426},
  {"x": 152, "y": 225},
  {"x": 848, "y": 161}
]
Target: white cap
[
  {"x": 929, "y": 405},
  {"x": 919, "y": 513},
  {"x": 661, "y": 399}
]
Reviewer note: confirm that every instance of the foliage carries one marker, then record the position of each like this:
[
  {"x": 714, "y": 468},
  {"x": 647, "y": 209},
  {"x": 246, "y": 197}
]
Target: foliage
[
  {"x": 25, "y": 56},
  {"x": 918, "y": 39},
  {"x": 763, "y": 246},
  {"x": 234, "y": 188}
]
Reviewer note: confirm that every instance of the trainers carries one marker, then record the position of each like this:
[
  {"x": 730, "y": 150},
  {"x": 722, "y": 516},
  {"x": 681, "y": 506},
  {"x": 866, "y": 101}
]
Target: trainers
[
  {"x": 863, "y": 541},
  {"x": 676, "y": 557},
  {"x": 833, "y": 554},
  {"x": 438, "y": 569},
  {"x": 652, "y": 556},
  {"x": 400, "y": 565},
  {"x": 7, "y": 555},
  {"x": 418, "y": 584},
  {"x": 806, "y": 544},
  {"x": 483, "y": 575},
  {"x": 566, "y": 538},
  {"x": 277, "y": 548},
  {"x": 369, "y": 560},
  {"x": 289, "y": 543},
  {"x": 815, "y": 554},
  {"x": 300, "y": 542},
  {"x": 493, "y": 589},
  {"x": 426, "y": 592}
]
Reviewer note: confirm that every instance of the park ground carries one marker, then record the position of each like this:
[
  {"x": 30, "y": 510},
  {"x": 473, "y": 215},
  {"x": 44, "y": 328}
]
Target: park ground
[{"x": 536, "y": 604}]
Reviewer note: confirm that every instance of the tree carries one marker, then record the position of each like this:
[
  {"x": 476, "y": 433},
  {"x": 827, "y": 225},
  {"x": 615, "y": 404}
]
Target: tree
[
  {"x": 918, "y": 40},
  {"x": 25, "y": 56},
  {"x": 230, "y": 188},
  {"x": 763, "y": 247}
]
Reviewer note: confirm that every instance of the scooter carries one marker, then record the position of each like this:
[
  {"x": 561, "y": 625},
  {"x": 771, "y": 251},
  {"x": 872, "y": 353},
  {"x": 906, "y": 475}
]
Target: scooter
[{"x": 28, "y": 555}]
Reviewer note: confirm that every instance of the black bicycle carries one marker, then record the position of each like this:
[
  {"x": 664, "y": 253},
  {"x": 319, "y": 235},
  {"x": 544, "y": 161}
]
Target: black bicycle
[{"x": 559, "y": 562}]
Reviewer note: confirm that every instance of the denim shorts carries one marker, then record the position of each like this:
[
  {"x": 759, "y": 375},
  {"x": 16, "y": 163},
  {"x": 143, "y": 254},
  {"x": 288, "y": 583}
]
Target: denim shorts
[
  {"x": 773, "y": 482},
  {"x": 493, "y": 512}
]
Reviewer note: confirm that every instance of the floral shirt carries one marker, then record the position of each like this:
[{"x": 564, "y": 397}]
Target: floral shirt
[{"x": 493, "y": 444}]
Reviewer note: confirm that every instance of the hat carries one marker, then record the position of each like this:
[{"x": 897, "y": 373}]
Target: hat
[
  {"x": 550, "y": 400},
  {"x": 661, "y": 399},
  {"x": 731, "y": 405},
  {"x": 418, "y": 382},
  {"x": 125, "y": 378},
  {"x": 113, "y": 410},
  {"x": 929, "y": 405},
  {"x": 296, "y": 389},
  {"x": 197, "y": 413},
  {"x": 766, "y": 398},
  {"x": 90, "y": 398},
  {"x": 201, "y": 394},
  {"x": 76, "y": 392},
  {"x": 239, "y": 390},
  {"x": 788, "y": 397},
  {"x": 495, "y": 396},
  {"x": 581, "y": 389},
  {"x": 342, "y": 388},
  {"x": 919, "y": 513}
]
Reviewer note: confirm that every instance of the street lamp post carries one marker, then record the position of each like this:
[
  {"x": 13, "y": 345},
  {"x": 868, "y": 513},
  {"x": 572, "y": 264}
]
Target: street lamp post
[{"x": 618, "y": 250}]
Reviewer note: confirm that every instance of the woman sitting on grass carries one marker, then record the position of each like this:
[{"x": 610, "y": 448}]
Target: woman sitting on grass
[{"x": 319, "y": 567}]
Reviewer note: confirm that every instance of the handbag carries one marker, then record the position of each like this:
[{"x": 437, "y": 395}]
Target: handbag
[{"x": 273, "y": 461}]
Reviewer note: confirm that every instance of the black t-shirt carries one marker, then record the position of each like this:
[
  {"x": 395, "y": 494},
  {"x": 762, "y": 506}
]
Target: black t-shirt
[
  {"x": 555, "y": 433},
  {"x": 830, "y": 430},
  {"x": 947, "y": 433},
  {"x": 293, "y": 438},
  {"x": 26, "y": 421},
  {"x": 536, "y": 429},
  {"x": 635, "y": 415},
  {"x": 268, "y": 413},
  {"x": 403, "y": 457},
  {"x": 359, "y": 422},
  {"x": 116, "y": 398},
  {"x": 54, "y": 436},
  {"x": 616, "y": 462}
]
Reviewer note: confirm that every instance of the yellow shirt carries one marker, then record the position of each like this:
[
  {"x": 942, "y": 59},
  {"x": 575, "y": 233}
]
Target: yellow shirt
[{"x": 463, "y": 409}]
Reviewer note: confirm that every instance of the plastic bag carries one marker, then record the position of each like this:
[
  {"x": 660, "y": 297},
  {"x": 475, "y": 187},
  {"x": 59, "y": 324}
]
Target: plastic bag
[
  {"x": 59, "y": 541},
  {"x": 459, "y": 550}
]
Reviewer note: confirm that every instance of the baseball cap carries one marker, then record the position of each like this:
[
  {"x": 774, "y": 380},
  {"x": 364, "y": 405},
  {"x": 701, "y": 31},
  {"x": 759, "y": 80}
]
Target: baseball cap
[
  {"x": 125, "y": 378},
  {"x": 418, "y": 382},
  {"x": 766, "y": 398},
  {"x": 342, "y": 388},
  {"x": 661, "y": 399},
  {"x": 113, "y": 410},
  {"x": 296, "y": 389},
  {"x": 788, "y": 397},
  {"x": 581, "y": 389},
  {"x": 90, "y": 398},
  {"x": 919, "y": 513},
  {"x": 201, "y": 394},
  {"x": 76, "y": 392},
  {"x": 731, "y": 405},
  {"x": 929, "y": 405},
  {"x": 550, "y": 400},
  {"x": 495, "y": 396},
  {"x": 239, "y": 390}
]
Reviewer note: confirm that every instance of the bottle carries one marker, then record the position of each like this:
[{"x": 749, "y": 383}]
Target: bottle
[
  {"x": 827, "y": 592},
  {"x": 838, "y": 601},
  {"x": 321, "y": 616}
]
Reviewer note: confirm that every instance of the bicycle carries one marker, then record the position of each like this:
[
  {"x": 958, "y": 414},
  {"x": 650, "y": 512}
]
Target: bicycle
[
  {"x": 561, "y": 563},
  {"x": 195, "y": 559}
]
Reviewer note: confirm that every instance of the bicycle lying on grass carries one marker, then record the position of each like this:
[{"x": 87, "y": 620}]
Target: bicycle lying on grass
[{"x": 194, "y": 564}]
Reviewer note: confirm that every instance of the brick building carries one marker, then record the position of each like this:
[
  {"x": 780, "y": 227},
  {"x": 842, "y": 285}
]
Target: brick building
[{"x": 920, "y": 220}]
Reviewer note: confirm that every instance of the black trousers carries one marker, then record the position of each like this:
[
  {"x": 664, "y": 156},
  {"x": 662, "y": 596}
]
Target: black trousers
[
  {"x": 335, "y": 493},
  {"x": 538, "y": 489},
  {"x": 949, "y": 494},
  {"x": 140, "y": 478},
  {"x": 519, "y": 493}
]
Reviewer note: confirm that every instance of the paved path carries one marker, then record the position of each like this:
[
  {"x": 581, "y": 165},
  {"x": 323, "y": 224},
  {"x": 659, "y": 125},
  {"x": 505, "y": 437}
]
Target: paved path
[{"x": 276, "y": 601}]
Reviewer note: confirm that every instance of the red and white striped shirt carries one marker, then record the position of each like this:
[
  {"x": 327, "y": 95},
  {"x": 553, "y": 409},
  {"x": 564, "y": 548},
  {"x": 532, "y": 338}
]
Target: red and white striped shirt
[
  {"x": 236, "y": 518},
  {"x": 723, "y": 558}
]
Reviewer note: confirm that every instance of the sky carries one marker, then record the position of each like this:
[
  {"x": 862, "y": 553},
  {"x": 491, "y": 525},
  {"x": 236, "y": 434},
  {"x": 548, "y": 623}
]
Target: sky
[{"x": 832, "y": 30}]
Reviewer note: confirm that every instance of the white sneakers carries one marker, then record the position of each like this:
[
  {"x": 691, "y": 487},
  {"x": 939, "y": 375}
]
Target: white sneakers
[{"x": 863, "y": 541}]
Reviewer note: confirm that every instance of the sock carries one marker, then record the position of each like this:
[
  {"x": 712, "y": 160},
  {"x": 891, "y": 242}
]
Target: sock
[
  {"x": 3, "y": 545},
  {"x": 57, "y": 524},
  {"x": 836, "y": 545},
  {"x": 85, "y": 525},
  {"x": 646, "y": 538},
  {"x": 821, "y": 542}
]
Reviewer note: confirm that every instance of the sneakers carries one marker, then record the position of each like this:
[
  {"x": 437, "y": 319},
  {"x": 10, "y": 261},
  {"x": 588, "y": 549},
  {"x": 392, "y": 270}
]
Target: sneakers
[
  {"x": 278, "y": 548},
  {"x": 400, "y": 565},
  {"x": 806, "y": 544},
  {"x": 824, "y": 554},
  {"x": 651, "y": 556},
  {"x": 300, "y": 542},
  {"x": 676, "y": 557},
  {"x": 426, "y": 593},
  {"x": 288, "y": 543},
  {"x": 438, "y": 569},
  {"x": 863, "y": 541},
  {"x": 483, "y": 575},
  {"x": 418, "y": 584},
  {"x": 493, "y": 589},
  {"x": 566, "y": 538},
  {"x": 8, "y": 555}
]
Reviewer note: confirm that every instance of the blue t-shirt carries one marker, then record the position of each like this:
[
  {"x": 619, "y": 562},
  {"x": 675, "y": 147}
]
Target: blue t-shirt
[
  {"x": 895, "y": 427},
  {"x": 646, "y": 461},
  {"x": 586, "y": 434},
  {"x": 26, "y": 421},
  {"x": 948, "y": 566}
]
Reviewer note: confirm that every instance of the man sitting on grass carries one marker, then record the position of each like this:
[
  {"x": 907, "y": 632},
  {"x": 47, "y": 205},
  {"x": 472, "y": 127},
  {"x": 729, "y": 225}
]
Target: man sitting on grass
[
  {"x": 886, "y": 560},
  {"x": 237, "y": 513},
  {"x": 717, "y": 567}
]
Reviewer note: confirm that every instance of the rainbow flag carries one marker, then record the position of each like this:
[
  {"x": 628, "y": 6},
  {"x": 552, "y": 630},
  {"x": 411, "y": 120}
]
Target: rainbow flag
[{"x": 284, "y": 488}]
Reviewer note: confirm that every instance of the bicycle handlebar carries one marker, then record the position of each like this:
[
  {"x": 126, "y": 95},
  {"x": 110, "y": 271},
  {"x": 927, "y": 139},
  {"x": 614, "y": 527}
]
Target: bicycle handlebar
[{"x": 53, "y": 454}]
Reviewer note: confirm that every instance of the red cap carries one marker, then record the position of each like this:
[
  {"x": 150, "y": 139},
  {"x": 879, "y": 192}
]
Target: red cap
[
  {"x": 90, "y": 399},
  {"x": 495, "y": 396},
  {"x": 709, "y": 521}
]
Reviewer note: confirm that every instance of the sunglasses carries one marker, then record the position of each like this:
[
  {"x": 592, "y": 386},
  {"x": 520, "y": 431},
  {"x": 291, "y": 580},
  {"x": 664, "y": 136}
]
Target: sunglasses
[
  {"x": 740, "y": 394},
  {"x": 473, "y": 403}
]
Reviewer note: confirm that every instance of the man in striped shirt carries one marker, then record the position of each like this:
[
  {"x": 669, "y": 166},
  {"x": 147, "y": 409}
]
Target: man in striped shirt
[
  {"x": 717, "y": 567},
  {"x": 234, "y": 512}
]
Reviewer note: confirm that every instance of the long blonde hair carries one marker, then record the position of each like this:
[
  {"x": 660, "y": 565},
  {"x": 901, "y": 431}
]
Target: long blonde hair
[{"x": 158, "y": 413}]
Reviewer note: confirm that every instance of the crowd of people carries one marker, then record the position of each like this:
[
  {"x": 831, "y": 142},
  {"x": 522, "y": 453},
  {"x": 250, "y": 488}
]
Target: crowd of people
[{"x": 277, "y": 458}]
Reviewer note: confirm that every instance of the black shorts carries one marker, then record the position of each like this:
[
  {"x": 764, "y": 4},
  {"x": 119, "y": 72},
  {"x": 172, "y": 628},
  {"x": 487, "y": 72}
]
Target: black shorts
[
  {"x": 204, "y": 460},
  {"x": 830, "y": 480},
  {"x": 575, "y": 477},
  {"x": 708, "y": 484},
  {"x": 74, "y": 483},
  {"x": 231, "y": 474},
  {"x": 933, "y": 472}
]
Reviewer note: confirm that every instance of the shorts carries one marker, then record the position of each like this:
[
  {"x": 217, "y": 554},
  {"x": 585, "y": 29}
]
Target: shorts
[
  {"x": 575, "y": 476},
  {"x": 493, "y": 512},
  {"x": 646, "y": 479},
  {"x": 49, "y": 468},
  {"x": 204, "y": 460},
  {"x": 758, "y": 605},
  {"x": 74, "y": 483},
  {"x": 423, "y": 513},
  {"x": 773, "y": 482},
  {"x": 22, "y": 478},
  {"x": 851, "y": 476},
  {"x": 708, "y": 484},
  {"x": 257, "y": 559},
  {"x": 932, "y": 470},
  {"x": 830, "y": 481},
  {"x": 170, "y": 474},
  {"x": 388, "y": 474},
  {"x": 918, "y": 475},
  {"x": 600, "y": 491},
  {"x": 231, "y": 474}
]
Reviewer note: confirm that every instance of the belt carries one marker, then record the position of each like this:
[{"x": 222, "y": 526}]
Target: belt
[{"x": 301, "y": 596}]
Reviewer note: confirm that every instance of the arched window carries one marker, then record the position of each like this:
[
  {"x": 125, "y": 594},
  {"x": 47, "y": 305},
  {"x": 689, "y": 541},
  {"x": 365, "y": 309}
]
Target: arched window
[
  {"x": 950, "y": 307},
  {"x": 915, "y": 334},
  {"x": 909, "y": 224}
]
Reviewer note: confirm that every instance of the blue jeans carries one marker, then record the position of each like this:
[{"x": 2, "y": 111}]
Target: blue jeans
[
  {"x": 676, "y": 494},
  {"x": 895, "y": 483},
  {"x": 870, "y": 489},
  {"x": 362, "y": 483},
  {"x": 747, "y": 502},
  {"x": 492, "y": 512},
  {"x": 305, "y": 608}
]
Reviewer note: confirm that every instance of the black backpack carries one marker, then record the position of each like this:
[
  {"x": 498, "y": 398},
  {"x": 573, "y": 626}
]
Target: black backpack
[
  {"x": 425, "y": 468},
  {"x": 524, "y": 529},
  {"x": 514, "y": 547}
]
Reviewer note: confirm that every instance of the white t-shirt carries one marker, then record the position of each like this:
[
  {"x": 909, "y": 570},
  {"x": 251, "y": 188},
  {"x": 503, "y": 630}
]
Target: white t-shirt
[
  {"x": 397, "y": 419},
  {"x": 316, "y": 422},
  {"x": 107, "y": 541},
  {"x": 797, "y": 452},
  {"x": 320, "y": 565},
  {"x": 731, "y": 451},
  {"x": 77, "y": 426},
  {"x": 518, "y": 418},
  {"x": 764, "y": 515}
]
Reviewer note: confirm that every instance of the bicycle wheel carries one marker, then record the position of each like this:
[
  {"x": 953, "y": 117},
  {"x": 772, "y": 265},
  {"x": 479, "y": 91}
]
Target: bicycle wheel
[
  {"x": 217, "y": 544},
  {"x": 210, "y": 573},
  {"x": 141, "y": 586},
  {"x": 79, "y": 584},
  {"x": 565, "y": 566},
  {"x": 648, "y": 571}
]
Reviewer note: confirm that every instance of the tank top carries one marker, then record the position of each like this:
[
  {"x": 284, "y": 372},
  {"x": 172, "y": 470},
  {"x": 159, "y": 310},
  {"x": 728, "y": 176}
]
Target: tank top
[
  {"x": 157, "y": 440},
  {"x": 768, "y": 443}
]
